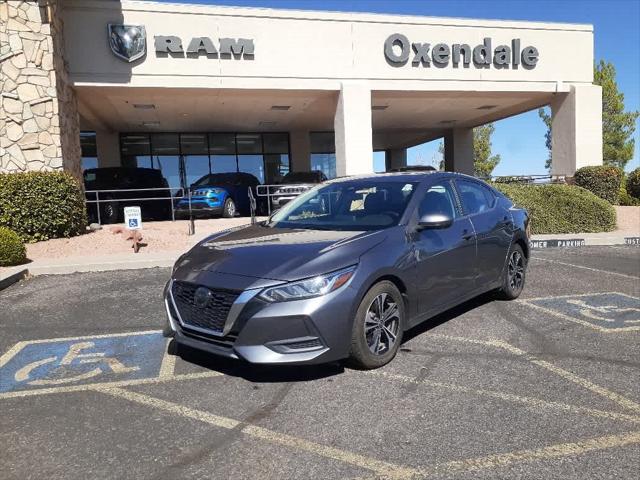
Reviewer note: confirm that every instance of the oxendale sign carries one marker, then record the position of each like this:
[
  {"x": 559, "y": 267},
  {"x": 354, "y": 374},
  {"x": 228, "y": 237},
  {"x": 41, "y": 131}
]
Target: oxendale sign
[{"x": 398, "y": 50}]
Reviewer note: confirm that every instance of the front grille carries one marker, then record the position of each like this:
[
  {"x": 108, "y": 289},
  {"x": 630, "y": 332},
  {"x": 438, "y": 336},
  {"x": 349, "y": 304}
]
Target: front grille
[{"x": 209, "y": 315}]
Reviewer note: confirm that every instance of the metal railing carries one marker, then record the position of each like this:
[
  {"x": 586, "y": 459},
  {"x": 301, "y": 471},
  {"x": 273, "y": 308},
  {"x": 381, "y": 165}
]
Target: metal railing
[
  {"x": 172, "y": 199},
  {"x": 274, "y": 192}
]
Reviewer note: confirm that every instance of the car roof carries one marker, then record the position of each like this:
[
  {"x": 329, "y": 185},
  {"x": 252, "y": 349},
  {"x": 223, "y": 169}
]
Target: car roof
[{"x": 406, "y": 176}]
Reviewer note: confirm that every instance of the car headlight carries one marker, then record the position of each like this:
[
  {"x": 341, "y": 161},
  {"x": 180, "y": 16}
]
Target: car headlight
[{"x": 309, "y": 288}]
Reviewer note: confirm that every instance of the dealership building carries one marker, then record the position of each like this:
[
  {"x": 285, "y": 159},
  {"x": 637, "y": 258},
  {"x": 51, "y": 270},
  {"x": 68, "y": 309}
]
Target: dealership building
[{"x": 193, "y": 89}]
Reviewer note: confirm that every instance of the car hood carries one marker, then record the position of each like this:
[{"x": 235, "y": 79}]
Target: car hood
[{"x": 259, "y": 251}]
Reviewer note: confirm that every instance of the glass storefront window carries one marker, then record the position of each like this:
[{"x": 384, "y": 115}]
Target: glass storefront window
[
  {"x": 323, "y": 156},
  {"x": 223, "y": 163},
  {"x": 222, "y": 143},
  {"x": 249, "y": 143},
  {"x": 275, "y": 143},
  {"x": 89, "y": 155},
  {"x": 135, "y": 150},
  {"x": 186, "y": 157},
  {"x": 253, "y": 164}
]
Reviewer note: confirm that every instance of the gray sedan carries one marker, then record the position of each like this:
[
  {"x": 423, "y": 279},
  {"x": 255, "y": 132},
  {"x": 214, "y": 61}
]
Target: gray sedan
[{"x": 346, "y": 268}]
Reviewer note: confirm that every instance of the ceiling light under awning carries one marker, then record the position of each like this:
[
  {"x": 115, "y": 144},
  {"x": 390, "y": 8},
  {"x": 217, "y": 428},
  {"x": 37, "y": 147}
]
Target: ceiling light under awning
[{"x": 144, "y": 106}]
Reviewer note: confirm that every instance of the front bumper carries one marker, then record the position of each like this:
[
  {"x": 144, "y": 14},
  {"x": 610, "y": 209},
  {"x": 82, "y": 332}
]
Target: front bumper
[
  {"x": 308, "y": 331},
  {"x": 200, "y": 204}
]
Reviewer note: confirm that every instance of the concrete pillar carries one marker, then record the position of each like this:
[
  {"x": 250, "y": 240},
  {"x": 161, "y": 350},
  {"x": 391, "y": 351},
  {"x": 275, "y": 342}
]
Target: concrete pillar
[
  {"x": 352, "y": 125},
  {"x": 108, "y": 147},
  {"x": 395, "y": 158},
  {"x": 458, "y": 151},
  {"x": 577, "y": 129},
  {"x": 300, "y": 159}
]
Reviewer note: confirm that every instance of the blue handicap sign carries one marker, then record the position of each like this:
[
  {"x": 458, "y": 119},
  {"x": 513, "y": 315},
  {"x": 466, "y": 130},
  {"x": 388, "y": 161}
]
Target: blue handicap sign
[
  {"x": 64, "y": 362},
  {"x": 133, "y": 222},
  {"x": 603, "y": 311}
]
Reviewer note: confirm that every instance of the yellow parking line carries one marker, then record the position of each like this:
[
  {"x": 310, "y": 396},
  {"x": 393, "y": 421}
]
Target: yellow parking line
[
  {"x": 508, "y": 397},
  {"x": 570, "y": 376},
  {"x": 571, "y": 295},
  {"x": 168, "y": 365},
  {"x": 92, "y": 386},
  {"x": 386, "y": 469},
  {"x": 545, "y": 453}
]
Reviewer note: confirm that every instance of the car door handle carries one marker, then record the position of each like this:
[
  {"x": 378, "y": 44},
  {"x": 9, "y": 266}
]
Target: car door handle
[{"x": 466, "y": 235}]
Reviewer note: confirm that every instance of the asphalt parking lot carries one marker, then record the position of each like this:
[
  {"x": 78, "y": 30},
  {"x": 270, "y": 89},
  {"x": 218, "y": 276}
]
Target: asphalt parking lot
[{"x": 544, "y": 387}]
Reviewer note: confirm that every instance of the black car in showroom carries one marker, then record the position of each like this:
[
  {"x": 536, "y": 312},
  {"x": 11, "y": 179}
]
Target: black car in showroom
[
  {"x": 110, "y": 189},
  {"x": 343, "y": 270}
]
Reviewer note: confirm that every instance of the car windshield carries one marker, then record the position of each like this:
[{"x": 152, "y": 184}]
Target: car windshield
[
  {"x": 367, "y": 204},
  {"x": 217, "y": 179}
]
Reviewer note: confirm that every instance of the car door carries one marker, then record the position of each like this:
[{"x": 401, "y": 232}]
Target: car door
[
  {"x": 445, "y": 257},
  {"x": 493, "y": 226}
]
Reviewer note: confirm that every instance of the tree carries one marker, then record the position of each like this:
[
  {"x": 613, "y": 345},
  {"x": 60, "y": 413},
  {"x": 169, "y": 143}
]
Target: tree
[
  {"x": 483, "y": 161},
  {"x": 545, "y": 115},
  {"x": 618, "y": 126}
]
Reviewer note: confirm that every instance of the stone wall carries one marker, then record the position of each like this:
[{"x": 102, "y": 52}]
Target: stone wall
[{"x": 39, "y": 127}]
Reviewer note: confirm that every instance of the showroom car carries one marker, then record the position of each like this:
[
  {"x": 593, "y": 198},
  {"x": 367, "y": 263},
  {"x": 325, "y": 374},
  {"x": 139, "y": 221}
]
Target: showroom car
[
  {"x": 292, "y": 185},
  {"x": 219, "y": 194},
  {"x": 343, "y": 270}
]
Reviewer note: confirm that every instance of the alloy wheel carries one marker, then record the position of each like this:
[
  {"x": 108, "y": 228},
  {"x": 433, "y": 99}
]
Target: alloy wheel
[
  {"x": 381, "y": 324},
  {"x": 231, "y": 209},
  {"x": 516, "y": 271}
]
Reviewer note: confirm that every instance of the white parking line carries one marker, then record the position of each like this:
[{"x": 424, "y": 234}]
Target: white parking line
[{"x": 607, "y": 272}]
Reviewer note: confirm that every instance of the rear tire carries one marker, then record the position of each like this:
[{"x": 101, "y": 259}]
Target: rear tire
[
  {"x": 109, "y": 212},
  {"x": 378, "y": 327},
  {"x": 514, "y": 274},
  {"x": 229, "y": 209}
]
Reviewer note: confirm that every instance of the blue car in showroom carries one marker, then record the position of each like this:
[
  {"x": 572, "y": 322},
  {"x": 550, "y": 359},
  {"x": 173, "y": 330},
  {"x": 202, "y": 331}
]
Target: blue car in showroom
[{"x": 219, "y": 194}]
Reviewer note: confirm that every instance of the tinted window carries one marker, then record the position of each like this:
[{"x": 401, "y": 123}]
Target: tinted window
[
  {"x": 475, "y": 198},
  {"x": 439, "y": 199},
  {"x": 350, "y": 205}
]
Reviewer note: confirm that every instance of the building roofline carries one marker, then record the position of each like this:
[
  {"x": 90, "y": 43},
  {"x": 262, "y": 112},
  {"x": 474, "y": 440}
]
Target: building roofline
[{"x": 263, "y": 12}]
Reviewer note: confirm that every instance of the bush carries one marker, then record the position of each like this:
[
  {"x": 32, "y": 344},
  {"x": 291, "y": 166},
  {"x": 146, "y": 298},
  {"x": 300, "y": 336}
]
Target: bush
[
  {"x": 42, "y": 205},
  {"x": 633, "y": 183},
  {"x": 602, "y": 180},
  {"x": 625, "y": 199},
  {"x": 12, "y": 251},
  {"x": 562, "y": 208}
]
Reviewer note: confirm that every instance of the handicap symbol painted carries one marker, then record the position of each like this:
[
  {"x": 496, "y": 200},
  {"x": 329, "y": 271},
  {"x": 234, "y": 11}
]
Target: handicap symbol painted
[
  {"x": 603, "y": 311},
  {"x": 62, "y": 362}
]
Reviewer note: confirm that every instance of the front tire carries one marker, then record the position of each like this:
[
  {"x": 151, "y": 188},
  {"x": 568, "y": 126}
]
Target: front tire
[
  {"x": 229, "y": 209},
  {"x": 378, "y": 327},
  {"x": 514, "y": 274}
]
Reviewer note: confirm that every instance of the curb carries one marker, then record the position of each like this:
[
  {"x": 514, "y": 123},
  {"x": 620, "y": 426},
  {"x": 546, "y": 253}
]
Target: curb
[
  {"x": 14, "y": 275},
  {"x": 62, "y": 268},
  {"x": 541, "y": 243}
]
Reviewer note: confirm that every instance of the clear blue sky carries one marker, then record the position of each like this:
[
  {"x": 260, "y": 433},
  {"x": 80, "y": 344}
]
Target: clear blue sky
[{"x": 519, "y": 140}]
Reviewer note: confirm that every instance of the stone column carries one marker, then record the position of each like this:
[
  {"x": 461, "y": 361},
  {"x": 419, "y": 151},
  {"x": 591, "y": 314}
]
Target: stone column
[
  {"x": 395, "y": 158},
  {"x": 39, "y": 127},
  {"x": 458, "y": 151},
  {"x": 300, "y": 151},
  {"x": 577, "y": 129},
  {"x": 352, "y": 125}
]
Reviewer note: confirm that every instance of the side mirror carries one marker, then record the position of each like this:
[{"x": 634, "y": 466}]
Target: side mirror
[{"x": 435, "y": 220}]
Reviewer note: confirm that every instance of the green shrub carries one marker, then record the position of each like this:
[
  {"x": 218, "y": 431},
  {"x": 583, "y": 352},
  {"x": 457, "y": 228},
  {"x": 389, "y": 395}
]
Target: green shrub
[
  {"x": 633, "y": 183},
  {"x": 562, "y": 208},
  {"x": 625, "y": 199},
  {"x": 12, "y": 251},
  {"x": 42, "y": 205},
  {"x": 602, "y": 180}
]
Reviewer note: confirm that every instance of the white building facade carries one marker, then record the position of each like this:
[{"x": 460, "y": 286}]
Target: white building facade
[{"x": 189, "y": 88}]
